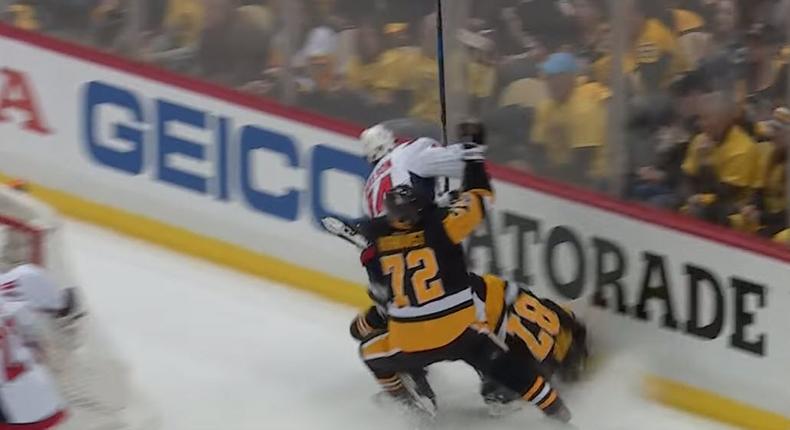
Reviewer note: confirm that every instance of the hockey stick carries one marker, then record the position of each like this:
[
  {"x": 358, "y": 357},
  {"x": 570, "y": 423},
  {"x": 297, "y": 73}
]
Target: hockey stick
[
  {"x": 442, "y": 86},
  {"x": 472, "y": 131},
  {"x": 343, "y": 230},
  {"x": 440, "y": 63},
  {"x": 443, "y": 106}
]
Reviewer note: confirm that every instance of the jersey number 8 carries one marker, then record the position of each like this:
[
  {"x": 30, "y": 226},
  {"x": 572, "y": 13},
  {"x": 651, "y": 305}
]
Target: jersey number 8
[
  {"x": 528, "y": 308},
  {"x": 425, "y": 282}
]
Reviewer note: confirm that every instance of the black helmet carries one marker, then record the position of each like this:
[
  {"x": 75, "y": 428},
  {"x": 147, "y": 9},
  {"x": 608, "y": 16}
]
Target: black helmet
[{"x": 404, "y": 205}]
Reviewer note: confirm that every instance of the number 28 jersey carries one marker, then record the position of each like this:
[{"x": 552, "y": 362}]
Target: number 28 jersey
[{"x": 536, "y": 328}]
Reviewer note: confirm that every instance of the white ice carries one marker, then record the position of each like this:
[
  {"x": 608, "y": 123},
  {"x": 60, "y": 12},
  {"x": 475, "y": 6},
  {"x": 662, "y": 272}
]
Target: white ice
[{"x": 218, "y": 350}]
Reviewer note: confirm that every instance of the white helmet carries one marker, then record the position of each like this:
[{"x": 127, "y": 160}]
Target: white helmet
[{"x": 377, "y": 142}]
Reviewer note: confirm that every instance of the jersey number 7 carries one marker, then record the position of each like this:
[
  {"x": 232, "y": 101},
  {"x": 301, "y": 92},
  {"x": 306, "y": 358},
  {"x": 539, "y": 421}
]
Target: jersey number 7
[
  {"x": 424, "y": 281},
  {"x": 11, "y": 369}
]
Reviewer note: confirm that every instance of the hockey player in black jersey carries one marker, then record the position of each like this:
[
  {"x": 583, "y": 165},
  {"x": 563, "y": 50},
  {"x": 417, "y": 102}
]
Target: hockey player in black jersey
[
  {"x": 534, "y": 328},
  {"x": 417, "y": 261}
]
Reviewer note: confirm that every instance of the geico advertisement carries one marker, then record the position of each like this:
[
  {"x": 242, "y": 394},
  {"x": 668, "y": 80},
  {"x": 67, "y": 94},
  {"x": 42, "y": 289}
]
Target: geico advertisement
[
  {"x": 148, "y": 136},
  {"x": 237, "y": 174}
]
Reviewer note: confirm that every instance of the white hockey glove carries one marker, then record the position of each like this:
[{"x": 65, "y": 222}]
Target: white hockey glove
[
  {"x": 472, "y": 152},
  {"x": 344, "y": 231}
]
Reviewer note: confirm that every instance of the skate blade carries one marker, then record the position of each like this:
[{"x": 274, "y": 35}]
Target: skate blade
[
  {"x": 500, "y": 410},
  {"x": 417, "y": 418}
]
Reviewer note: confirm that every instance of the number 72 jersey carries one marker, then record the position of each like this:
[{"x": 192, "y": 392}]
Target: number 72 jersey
[
  {"x": 28, "y": 393},
  {"x": 430, "y": 301}
]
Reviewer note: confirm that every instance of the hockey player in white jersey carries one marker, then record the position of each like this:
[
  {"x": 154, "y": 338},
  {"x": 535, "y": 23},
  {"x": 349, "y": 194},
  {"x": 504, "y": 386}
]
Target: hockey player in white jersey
[
  {"x": 92, "y": 380},
  {"x": 29, "y": 398},
  {"x": 416, "y": 163}
]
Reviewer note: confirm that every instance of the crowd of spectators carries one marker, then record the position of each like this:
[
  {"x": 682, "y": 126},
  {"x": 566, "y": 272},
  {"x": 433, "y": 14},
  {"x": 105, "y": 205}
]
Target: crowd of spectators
[{"x": 695, "y": 121}]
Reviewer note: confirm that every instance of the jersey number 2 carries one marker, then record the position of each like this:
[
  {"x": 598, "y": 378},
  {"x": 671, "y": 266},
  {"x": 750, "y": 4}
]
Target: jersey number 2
[
  {"x": 424, "y": 281},
  {"x": 530, "y": 309},
  {"x": 11, "y": 369}
]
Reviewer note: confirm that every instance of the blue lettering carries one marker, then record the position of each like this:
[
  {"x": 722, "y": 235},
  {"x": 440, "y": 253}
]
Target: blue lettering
[
  {"x": 169, "y": 144},
  {"x": 324, "y": 159},
  {"x": 222, "y": 159},
  {"x": 129, "y": 161},
  {"x": 284, "y": 206},
  {"x": 141, "y": 131}
]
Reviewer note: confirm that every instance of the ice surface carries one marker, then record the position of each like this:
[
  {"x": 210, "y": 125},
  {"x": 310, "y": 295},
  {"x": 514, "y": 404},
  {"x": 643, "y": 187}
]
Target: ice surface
[{"x": 219, "y": 350}]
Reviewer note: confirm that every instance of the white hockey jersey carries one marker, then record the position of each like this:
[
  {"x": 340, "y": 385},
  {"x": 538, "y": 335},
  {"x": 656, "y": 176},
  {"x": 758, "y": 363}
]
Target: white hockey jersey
[
  {"x": 421, "y": 160},
  {"x": 29, "y": 396},
  {"x": 94, "y": 382}
]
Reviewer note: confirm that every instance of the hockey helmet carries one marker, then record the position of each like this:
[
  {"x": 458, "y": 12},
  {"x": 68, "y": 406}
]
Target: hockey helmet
[
  {"x": 404, "y": 205},
  {"x": 377, "y": 142}
]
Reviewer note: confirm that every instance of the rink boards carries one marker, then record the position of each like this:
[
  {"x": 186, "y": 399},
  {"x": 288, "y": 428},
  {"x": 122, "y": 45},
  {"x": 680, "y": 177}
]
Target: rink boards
[{"x": 242, "y": 182}]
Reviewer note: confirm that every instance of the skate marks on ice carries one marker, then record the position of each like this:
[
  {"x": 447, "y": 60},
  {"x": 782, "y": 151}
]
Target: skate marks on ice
[
  {"x": 215, "y": 349},
  {"x": 608, "y": 400}
]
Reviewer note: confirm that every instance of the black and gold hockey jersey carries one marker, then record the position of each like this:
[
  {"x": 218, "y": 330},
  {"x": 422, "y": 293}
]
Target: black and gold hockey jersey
[
  {"x": 424, "y": 267},
  {"x": 535, "y": 327}
]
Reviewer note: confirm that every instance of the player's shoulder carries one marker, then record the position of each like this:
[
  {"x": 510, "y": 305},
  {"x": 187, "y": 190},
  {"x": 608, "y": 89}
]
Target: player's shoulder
[
  {"x": 426, "y": 142},
  {"x": 25, "y": 270},
  {"x": 434, "y": 216},
  {"x": 12, "y": 280},
  {"x": 24, "y": 273},
  {"x": 30, "y": 283},
  {"x": 382, "y": 166},
  {"x": 416, "y": 146},
  {"x": 374, "y": 228}
]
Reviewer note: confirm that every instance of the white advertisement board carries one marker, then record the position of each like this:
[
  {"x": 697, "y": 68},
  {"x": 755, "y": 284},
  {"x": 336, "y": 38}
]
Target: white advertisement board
[
  {"x": 694, "y": 309},
  {"x": 237, "y": 174},
  {"x": 691, "y": 309}
]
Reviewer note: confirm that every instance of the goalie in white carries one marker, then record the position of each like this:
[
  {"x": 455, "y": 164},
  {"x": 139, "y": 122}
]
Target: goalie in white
[
  {"x": 93, "y": 381},
  {"x": 29, "y": 398}
]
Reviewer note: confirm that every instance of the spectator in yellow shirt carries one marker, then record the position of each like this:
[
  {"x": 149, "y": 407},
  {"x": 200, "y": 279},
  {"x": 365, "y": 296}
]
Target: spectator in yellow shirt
[
  {"x": 767, "y": 212},
  {"x": 22, "y": 16},
  {"x": 172, "y": 37},
  {"x": 766, "y": 71},
  {"x": 686, "y": 21},
  {"x": 187, "y": 15},
  {"x": 424, "y": 84},
  {"x": 396, "y": 65},
  {"x": 654, "y": 57},
  {"x": 721, "y": 163},
  {"x": 571, "y": 124},
  {"x": 480, "y": 77},
  {"x": 361, "y": 70}
]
